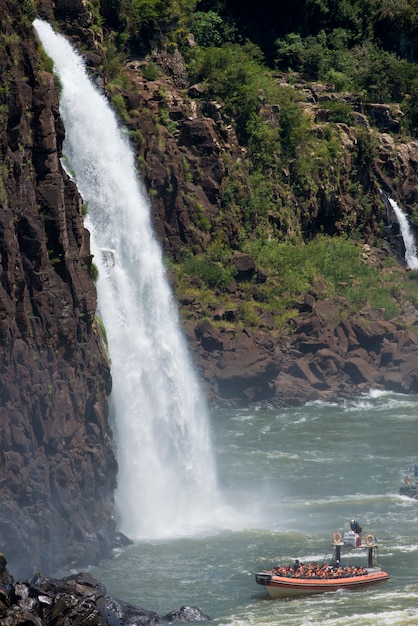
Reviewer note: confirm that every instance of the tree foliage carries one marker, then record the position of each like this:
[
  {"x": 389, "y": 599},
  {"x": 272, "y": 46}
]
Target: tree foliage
[
  {"x": 136, "y": 20},
  {"x": 288, "y": 184},
  {"x": 210, "y": 29}
]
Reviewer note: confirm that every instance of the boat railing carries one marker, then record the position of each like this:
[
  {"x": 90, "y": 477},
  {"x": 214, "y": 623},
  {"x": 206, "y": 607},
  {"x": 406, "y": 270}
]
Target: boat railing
[{"x": 348, "y": 544}]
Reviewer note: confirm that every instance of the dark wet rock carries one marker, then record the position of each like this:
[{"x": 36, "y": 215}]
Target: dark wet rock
[
  {"x": 386, "y": 117},
  {"x": 186, "y": 614},
  {"x": 76, "y": 600},
  {"x": 58, "y": 465},
  {"x": 129, "y": 614},
  {"x": 200, "y": 133},
  {"x": 245, "y": 266}
]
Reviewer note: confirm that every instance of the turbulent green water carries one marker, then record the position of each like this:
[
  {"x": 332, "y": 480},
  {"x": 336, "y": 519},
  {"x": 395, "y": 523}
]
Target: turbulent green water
[{"x": 289, "y": 479}]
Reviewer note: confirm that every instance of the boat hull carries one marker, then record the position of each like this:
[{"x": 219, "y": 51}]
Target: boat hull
[
  {"x": 409, "y": 490},
  {"x": 280, "y": 586}
]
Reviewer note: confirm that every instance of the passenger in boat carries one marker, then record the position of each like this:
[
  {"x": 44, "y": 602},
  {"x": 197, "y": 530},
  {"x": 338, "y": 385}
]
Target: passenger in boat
[
  {"x": 355, "y": 526},
  {"x": 296, "y": 566},
  {"x": 313, "y": 570}
]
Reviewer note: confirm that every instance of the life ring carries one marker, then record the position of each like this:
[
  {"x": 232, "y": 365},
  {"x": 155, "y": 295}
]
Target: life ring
[
  {"x": 369, "y": 540},
  {"x": 337, "y": 537}
]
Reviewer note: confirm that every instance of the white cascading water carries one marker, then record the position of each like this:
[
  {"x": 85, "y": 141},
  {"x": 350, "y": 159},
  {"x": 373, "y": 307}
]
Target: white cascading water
[
  {"x": 411, "y": 257},
  {"x": 167, "y": 482}
]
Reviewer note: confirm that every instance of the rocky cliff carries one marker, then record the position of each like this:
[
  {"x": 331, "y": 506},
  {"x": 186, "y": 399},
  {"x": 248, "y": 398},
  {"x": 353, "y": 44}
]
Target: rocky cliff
[
  {"x": 58, "y": 468},
  {"x": 78, "y": 600},
  {"x": 325, "y": 351}
]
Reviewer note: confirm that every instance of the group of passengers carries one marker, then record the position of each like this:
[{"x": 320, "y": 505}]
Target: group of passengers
[{"x": 313, "y": 570}]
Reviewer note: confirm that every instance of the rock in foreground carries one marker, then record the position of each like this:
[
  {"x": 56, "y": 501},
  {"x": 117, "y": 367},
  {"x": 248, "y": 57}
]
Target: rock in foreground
[{"x": 76, "y": 600}]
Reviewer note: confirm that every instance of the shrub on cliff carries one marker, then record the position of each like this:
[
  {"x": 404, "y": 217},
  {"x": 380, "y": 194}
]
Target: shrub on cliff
[
  {"x": 210, "y": 29},
  {"x": 136, "y": 20}
]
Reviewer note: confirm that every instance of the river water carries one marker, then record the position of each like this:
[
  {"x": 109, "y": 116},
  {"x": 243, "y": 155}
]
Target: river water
[{"x": 290, "y": 478}]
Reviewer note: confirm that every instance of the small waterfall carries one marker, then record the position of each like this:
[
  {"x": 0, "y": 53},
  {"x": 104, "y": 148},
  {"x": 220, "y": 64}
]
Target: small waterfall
[
  {"x": 411, "y": 257},
  {"x": 167, "y": 482}
]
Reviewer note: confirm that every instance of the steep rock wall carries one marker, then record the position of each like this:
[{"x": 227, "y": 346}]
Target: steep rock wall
[
  {"x": 57, "y": 464},
  {"x": 316, "y": 355}
]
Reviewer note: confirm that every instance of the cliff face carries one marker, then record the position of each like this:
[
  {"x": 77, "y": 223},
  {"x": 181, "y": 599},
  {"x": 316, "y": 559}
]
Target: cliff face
[
  {"x": 189, "y": 151},
  {"x": 324, "y": 352},
  {"x": 58, "y": 468}
]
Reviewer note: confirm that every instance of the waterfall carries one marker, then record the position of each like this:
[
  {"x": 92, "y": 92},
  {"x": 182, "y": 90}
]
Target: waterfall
[
  {"x": 167, "y": 483},
  {"x": 411, "y": 257}
]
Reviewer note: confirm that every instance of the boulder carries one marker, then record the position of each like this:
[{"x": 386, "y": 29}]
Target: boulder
[
  {"x": 185, "y": 615},
  {"x": 78, "y": 600},
  {"x": 201, "y": 134}
]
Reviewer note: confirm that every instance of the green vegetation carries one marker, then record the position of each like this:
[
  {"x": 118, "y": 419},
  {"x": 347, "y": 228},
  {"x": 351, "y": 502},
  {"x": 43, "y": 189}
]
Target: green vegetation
[
  {"x": 102, "y": 330},
  {"x": 302, "y": 268},
  {"x": 236, "y": 75},
  {"x": 135, "y": 20},
  {"x": 280, "y": 201},
  {"x": 119, "y": 105},
  {"x": 364, "y": 67},
  {"x": 213, "y": 269},
  {"x": 210, "y": 29},
  {"x": 363, "y": 46},
  {"x": 94, "y": 272},
  {"x": 150, "y": 71},
  {"x": 29, "y": 9},
  {"x": 292, "y": 270}
]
